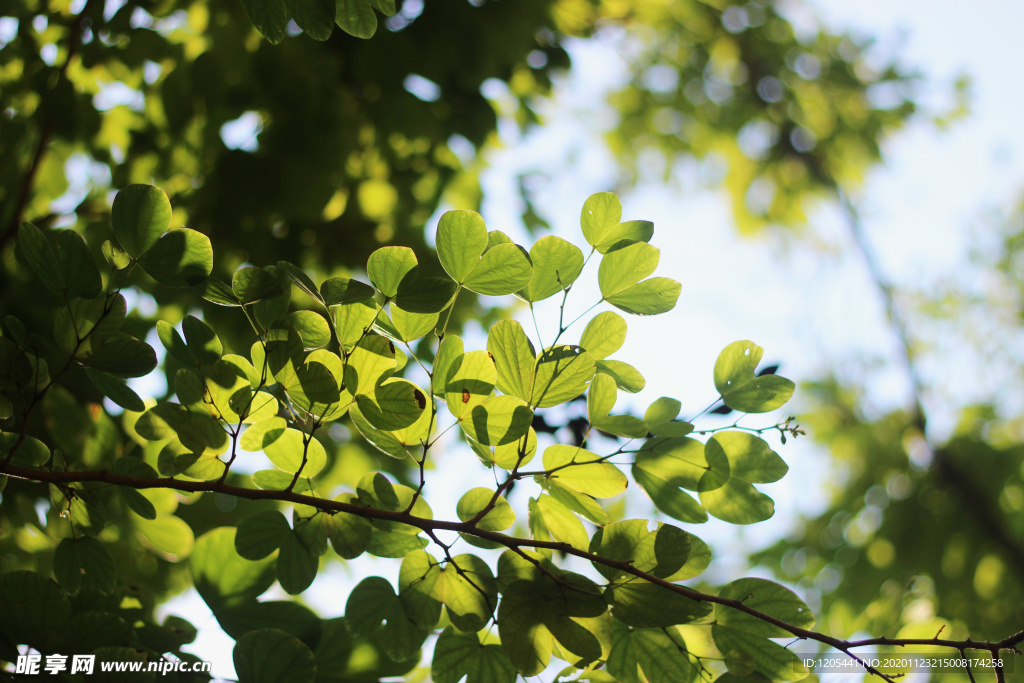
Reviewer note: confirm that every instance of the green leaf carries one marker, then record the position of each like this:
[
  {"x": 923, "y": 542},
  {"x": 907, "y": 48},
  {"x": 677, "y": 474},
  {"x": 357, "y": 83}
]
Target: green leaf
[
  {"x": 646, "y": 605},
  {"x": 513, "y": 356},
  {"x": 349, "y": 535},
  {"x": 411, "y": 326},
  {"x": 252, "y": 284},
  {"x": 604, "y": 335},
  {"x": 662, "y": 656},
  {"x": 600, "y": 216},
  {"x": 768, "y": 597},
  {"x": 199, "y": 433},
  {"x": 121, "y": 355},
  {"x": 471, "y": 379},
  {"x": 116, "y": 390},
  {"x": 134, "y": 498},
  {"x": 224, "y": 578},
  {"x": 215, "y": 291},
  {"x": 84, "y": 563},
  {"x": 273, "y": 656},
  {"x": 299, "y": 277},
  {"x": 601, "y": 398},
  {"x": 740, "y": 388},
  {"x": 88, "y": 631},
  {"x": 117, "y": 257},
  {"x": 774, "y": 661},
  {"x": 624, "y": 267},
  {"x": 661, "y": 552},
  {"x": 417, "y": 581},
  {"x": 356, "y": 18},
  {"x": 583, "y": 471},
  {"x": 505, "y": 269},
  {"x": 78, "y": 266},
  {"x": 313, "y": 328},
  {"x": 622, "y": 663},
  {"x": 625, "y": 375},
  {"x": 389, "y": 266},
  {"x": 276, "y": 480},
  {"x": 661, "y": 418},
  {"x": 399, "y": 443},
  {"x": 735, "y": 460},
  {"x": 92, "y": 319},
  {"x": 520, "y": 451},
  {"x": 461, "y": 239},
  {"x": 201, "y": 340},
  {"x": 261, "y": 534},
  {"x": 653, "y": 296},
  {"x": 377, "y": 491},
  {"x": 40, "y": 256},
  {"x": 426, "y": 295},
  {"x": 499, "y": 518},
  {"x": 459, "y": 656},
  {"x": 450, "y": 348},
  {"x": 579, "y": 503},
  {"x": 270, "y": 17},
  {"x": 341, "y": 290},
  {"x": 469, "y": 592},
  {"x": 174, "y": 344},
  {"x": 385, "y": 7},
  {"x": 497, "y": 421},
  {"x": 296, "y": 565},
  {"x": 524, "y": 637},
  {"x": 181, "y": 258},
  {"x": 560, "y": 375},
  {"x": 168, "y": 534},
  {"x": 395, "y": 404},
  {"x": 556, "y": 265},
  {"x": 285, "y": 615},
  {"x": 628, "y": 231},
  {"x": 372, "y": 602},
  {"x": 352, "y": 321},
  {"x": 288, "y": 448},
  {"x": 559, "y": 521},
  {"x": 33, "y": 610},
  {"x": 314, "y": 17},
  {"x": 31, "y": 451},
  {"x": 668, "y": 498},
  {"x": 140, "y": 215}
]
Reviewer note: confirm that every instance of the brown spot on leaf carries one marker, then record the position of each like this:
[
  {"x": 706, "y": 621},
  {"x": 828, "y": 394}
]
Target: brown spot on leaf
[
  {"x": 489, "y": 355},
  {"x": 421, "y": 400},
  {"x": 465, "y": 395}
]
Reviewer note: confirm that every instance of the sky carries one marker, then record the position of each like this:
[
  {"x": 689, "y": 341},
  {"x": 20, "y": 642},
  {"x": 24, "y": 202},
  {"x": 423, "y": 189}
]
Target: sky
[{"x": 923, "y": 210}]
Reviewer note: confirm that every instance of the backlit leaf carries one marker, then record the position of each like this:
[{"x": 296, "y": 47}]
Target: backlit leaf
[
  {"x": 180, "y": 258},
  {"x": 140, "y": 215},
  {"x": 504, "y": 269},
  {"x": 497, "y": 421},
  {"x": 561, "y": 374},
  {"x": 556, "y": 265},
  {"x": 272, "y": 656},
  {"x": 387, "y": 267},
  {"x": 740, "y": 388},
  {"x": 600, "y": 216},
  {"x": 461, "y": 240}
]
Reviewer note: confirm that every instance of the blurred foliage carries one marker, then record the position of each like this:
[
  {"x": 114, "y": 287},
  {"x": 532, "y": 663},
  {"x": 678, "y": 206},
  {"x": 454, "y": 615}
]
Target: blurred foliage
[
  {"x": 919, "y": 536},
  {"x": 786, "y": 110}
]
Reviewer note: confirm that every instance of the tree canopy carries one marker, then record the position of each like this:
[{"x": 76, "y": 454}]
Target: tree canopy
[{"x": 239, "y": 203}]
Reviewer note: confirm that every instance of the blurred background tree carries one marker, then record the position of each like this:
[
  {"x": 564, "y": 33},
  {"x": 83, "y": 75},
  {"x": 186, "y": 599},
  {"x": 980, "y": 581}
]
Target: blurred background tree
[{"x": 319, "y": 151}]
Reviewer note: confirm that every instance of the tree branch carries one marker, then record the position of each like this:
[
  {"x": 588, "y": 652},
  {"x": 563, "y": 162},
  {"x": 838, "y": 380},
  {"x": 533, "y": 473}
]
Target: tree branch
[{"x": 430, "y": 526}]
